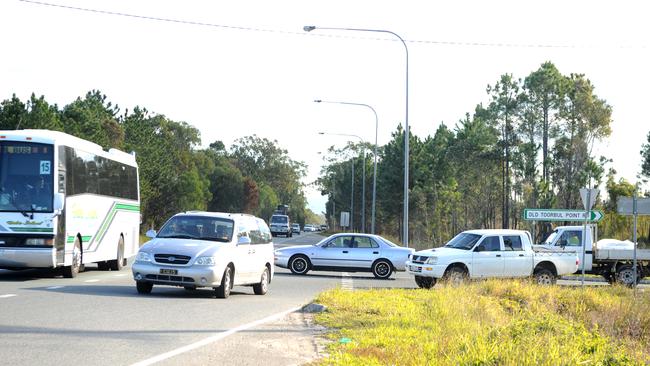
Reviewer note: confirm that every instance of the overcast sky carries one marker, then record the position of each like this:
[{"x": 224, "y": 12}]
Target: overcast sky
[{"x": 254, "y": 71}]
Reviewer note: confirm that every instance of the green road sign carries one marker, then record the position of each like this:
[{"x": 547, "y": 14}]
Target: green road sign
[{"x": 534, "y": 214}]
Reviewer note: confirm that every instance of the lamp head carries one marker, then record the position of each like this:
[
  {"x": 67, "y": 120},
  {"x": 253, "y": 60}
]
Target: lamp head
[
  {"x": 321, "y": 133},
  {"x": 317, "y": 100},
  {"x": 308, "y": 28}
]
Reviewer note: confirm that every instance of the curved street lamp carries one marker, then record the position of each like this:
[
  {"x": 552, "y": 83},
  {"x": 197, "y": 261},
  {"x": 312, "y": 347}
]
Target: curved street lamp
[
  {"x": 374, "y": 175},
  {"x": 309, "y": 28}
]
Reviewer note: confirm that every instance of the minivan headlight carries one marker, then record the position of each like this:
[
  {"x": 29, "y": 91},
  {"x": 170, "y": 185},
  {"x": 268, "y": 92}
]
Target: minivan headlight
[
  {"x": 205, "y": 261},
  {"x": 143, "y": 257},
  {"x": 432, "y": 260}
]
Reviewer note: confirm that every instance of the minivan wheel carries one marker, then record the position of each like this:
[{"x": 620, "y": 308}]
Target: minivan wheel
[
  {"x": 144, "y": 287},
  {"x": 262, "y": 287},
  {"x": 299, "y": 265},
  {"x": 223, "y": 291},
  {"x": 382, "y": 269}
]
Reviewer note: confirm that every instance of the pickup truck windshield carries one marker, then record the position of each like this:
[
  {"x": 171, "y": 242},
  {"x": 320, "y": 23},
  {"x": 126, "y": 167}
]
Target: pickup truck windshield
[{"x": 464, "y": 241}]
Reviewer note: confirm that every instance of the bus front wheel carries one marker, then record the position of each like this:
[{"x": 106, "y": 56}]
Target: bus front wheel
[{"x": 74, "y": 269}]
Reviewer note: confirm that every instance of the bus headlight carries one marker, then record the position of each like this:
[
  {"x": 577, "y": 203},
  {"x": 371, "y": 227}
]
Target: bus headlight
[
  {"x": 38, "y": 241},
  {"x": 143, "y": 257},
  {"x": 205, "y": 261}
]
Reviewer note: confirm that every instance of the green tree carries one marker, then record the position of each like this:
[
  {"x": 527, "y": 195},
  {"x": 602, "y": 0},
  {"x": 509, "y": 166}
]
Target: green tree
[
  {"x": 12, "y": 113},
  {"x": 94, "y": 118},
  {"x": 645, "y": 156}
]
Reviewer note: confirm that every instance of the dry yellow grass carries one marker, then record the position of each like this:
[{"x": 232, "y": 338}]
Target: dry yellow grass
[{"x": 488, "y": 323}]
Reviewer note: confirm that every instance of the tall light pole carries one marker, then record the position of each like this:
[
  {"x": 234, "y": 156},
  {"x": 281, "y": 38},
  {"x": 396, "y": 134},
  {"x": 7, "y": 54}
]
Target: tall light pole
[
  {"x": 309, "y": 28},
  {"x": 363, "y": 180},
  {"x": 374, "y": 175}
]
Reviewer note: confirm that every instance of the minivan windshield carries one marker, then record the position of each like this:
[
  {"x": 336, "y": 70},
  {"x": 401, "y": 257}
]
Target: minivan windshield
[
  {"x": 464, "y": 241},
  {"x": 198, "y": 227},
  {"x": 279, "y": 219}
]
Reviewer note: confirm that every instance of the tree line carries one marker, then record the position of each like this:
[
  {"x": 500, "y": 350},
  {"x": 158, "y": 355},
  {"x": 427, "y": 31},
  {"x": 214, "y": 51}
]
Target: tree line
[
  {"x": 253, "y": 176},
  {"x": 530, "y": 146}
]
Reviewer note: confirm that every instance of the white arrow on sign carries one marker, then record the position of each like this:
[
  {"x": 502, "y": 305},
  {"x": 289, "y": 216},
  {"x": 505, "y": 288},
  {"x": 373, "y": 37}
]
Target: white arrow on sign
[{"x": 561, "y": 215}]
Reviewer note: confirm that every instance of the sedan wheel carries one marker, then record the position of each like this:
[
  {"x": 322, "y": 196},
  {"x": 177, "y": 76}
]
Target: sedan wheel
[
  {"x": 299, "y": 265},
  {"x": 382, "y": 269}
]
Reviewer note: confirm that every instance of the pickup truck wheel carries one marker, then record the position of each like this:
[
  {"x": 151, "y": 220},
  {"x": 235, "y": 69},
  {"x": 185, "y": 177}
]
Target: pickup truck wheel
[
  {"x": 299, "y": 265},
  {"x": 544, "y": 276},
  {"x": 382, "y": 269},
  {"x": 455, "y": 276},
  {"x": 625, "y": 275},
  {"x": 425, "y": 282}
]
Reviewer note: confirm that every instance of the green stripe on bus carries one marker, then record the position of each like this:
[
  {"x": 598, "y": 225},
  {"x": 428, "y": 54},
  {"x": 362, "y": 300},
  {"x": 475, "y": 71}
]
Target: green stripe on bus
[
  {"x": 83, "y": 238},
  {"x": 127, "y": 207},
  {"x": 103, "y": 227},
  {"x": 31, "y": 229}
]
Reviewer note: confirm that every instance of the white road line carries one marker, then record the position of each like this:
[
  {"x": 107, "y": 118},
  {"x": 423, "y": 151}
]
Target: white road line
[
  {"x": 91, "y": 281},
  {"x": 7, "y": 295},
  {"x": 347, "y": 283},
  {"x": 211, "y": 339},
  {"x": 54, "y": 287}
]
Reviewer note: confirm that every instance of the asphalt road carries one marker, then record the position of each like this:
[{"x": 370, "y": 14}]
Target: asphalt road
[{"x": 98, "y": 318}]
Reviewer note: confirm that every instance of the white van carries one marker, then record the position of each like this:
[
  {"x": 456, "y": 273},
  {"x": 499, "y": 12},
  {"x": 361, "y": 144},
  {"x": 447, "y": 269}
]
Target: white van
[{"x": 207, "y": 249}]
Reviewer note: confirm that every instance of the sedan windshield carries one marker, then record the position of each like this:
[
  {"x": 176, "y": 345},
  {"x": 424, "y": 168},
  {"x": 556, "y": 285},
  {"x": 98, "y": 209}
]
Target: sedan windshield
[
  {"x": 465, "y": 241},
  {"x": 198, "y": 227}
]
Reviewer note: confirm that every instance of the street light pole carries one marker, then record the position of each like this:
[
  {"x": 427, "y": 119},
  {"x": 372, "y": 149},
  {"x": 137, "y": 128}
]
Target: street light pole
[
  {"x": 363, "y": 177},
  {"x": 309, "y": 28},
  {"x": 374, "y": 175}
]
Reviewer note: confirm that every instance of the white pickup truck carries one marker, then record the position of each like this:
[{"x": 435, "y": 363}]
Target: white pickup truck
[
  {"x": 610, "y": 258},
  {"x": 489, "y": 253}
]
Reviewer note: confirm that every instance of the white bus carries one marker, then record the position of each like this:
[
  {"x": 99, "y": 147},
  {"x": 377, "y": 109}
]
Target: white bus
[{"x": 65, "y": 202}]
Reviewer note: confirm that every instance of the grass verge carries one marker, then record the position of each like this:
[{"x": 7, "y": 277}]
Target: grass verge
[{"x": 487, "y": 323}]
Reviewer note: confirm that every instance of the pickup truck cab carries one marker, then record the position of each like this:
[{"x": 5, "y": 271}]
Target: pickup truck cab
[
  {"x": 613, "y": 259},
  {"x": 489, "y": 253}
]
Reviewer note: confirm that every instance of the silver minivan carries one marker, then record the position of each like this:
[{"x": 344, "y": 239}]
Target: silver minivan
[{"x": 207, "y": 249}]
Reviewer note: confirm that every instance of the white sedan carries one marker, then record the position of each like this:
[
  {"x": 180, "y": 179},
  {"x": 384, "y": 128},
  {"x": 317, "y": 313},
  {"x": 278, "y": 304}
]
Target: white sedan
[{"x": 349, "y": 252}]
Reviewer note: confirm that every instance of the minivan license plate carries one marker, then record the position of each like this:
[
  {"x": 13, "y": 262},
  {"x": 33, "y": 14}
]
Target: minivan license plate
[{"x": 168, "y": 271}]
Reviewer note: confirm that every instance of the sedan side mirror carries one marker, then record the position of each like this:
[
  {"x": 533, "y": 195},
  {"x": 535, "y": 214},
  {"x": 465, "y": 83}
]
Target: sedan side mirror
[
  {"x": 243, "y": 240},
  {"x": 151, "y": 233}
]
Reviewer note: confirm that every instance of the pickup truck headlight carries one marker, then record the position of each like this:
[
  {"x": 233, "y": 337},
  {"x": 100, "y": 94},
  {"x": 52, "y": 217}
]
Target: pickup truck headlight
[
  {"x": 205, "y": 261},
  {"x": 431, "y": 260},
  {"x": 143, "y": 257}
]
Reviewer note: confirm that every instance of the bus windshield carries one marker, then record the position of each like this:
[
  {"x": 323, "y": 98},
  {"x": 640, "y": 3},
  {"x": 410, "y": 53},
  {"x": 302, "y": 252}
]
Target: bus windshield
[{"x": 26, "y": 176}]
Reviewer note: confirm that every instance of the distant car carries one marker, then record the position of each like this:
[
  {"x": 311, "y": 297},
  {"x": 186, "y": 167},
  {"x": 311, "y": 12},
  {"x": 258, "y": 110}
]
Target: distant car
[
  {"x": 207, "y": 249},
  {"x": 307, "y": 228},
  {"x": 323, "y": 228},
  {"x": 295, "y": 228},
  {"x": 349, "y": 252},
  {"x": 280, "y": 225}
]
